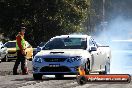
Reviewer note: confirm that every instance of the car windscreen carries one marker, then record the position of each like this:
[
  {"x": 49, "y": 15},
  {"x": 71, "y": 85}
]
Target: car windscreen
[
  {"x": 10, "y": 44},
  {"x": 66, "y": 43}
]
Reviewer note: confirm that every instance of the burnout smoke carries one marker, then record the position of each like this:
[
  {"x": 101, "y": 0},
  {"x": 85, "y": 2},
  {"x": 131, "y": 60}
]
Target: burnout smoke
[{"x": 118, "y": 35}]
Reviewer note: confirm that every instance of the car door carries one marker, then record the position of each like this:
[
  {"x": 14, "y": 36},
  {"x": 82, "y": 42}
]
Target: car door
[
  {"x": 96, "y": 57},
  {"x": 102, "y": 54}
]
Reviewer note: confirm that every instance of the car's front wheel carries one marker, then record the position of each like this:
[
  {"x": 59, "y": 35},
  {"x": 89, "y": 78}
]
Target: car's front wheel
[
  {"x": 37, "y": 76},
  {"x": 87, "y": 66},
  {"x": 107, "y": 68},
  {"x": 81, "y": 80}
]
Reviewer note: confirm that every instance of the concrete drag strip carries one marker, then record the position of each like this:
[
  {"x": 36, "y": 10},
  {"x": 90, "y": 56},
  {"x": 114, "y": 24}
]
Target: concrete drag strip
[
  {"x": 7, "y": 80},
  {"x": 51, "y": 82}
]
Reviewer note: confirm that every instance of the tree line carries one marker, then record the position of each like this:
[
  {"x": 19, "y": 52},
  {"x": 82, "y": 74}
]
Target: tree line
[{"x": 47, "y": 18}]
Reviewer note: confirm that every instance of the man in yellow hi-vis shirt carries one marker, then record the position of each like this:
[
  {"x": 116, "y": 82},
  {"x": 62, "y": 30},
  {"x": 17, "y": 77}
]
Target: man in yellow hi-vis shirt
[{"x": 20, "y": 47}]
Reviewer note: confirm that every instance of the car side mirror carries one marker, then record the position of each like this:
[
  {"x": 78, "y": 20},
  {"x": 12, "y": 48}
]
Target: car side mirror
[{"x": 92, "y": 49}]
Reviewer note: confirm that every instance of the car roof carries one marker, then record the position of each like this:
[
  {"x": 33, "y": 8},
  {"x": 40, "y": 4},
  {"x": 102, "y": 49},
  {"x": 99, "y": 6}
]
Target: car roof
[
  {"x": 72, "y": 36},
  {"x": 12, "y": 41}
]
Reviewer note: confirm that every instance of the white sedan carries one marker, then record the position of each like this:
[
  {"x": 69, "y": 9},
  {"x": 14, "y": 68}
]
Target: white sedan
[{"x": 62, "y": 55}]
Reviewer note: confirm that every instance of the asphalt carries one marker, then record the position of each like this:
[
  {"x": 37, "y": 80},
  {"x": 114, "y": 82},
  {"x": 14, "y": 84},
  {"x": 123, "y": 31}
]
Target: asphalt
[{"x": 7, "y": 80}]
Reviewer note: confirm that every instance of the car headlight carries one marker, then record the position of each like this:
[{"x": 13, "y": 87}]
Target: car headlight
[
  {"x": 72, "y": 59},
  {"x": 38, "y": 59}
]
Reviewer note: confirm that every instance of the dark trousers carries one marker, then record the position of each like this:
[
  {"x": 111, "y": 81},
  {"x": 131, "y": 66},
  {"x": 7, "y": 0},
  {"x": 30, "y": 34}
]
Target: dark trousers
[{"x": 20, "y": 59}]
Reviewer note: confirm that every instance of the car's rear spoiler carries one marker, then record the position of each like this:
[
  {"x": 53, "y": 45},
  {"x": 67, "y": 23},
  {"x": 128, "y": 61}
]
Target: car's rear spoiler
[{"x": 103, "y": 46}]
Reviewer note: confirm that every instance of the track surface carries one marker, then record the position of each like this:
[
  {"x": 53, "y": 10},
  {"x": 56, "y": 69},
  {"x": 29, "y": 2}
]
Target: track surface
[{"x": 7, "y": 80}]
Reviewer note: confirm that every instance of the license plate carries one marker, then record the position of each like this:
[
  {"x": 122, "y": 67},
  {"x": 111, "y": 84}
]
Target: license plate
[{"x": 54, "y": 65}]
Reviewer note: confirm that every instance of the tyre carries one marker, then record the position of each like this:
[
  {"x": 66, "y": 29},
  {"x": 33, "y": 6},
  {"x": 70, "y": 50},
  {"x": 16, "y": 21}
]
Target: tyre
[
  {"x": 107, "y": 69},
  {"x": 5, "y": 59},
  {"x": 59, "y": 76},
  {"x": 129, "y": 79},
  {"x": 8, "y": 60},
  {"x": 87, "y": 67},
  {"x": 81, "y": 80},
  {"x": 37, "y": 76},
  {"x": 102, "y": 73}
]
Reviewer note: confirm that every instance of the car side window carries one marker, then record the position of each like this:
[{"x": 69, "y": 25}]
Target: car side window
[{"x": 92, "y": 43}]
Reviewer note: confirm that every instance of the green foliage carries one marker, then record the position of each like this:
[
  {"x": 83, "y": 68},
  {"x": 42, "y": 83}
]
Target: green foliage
[
  {"x": 47, "y": 18},
  {"x": 43, "y": 18}
]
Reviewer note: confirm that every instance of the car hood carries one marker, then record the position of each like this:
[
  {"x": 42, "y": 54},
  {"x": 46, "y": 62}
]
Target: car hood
[{"x": 62, "y": 52}]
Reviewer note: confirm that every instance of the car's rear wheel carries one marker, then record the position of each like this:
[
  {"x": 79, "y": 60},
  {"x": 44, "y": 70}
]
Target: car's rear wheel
[
  {"x": 59, "y": 76},
  {"x": 107, "y": 69},
  {"x": 102, "y": 73},
  {"x": 37, "y": 76}
]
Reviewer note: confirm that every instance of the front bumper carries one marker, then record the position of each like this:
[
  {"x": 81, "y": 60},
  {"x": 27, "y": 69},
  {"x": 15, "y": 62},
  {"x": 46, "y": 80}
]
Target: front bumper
[
  {"x": 64, "y": 73},
  {"x": 55, "y": 65},
  {"x": 46, "y": 70}
]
